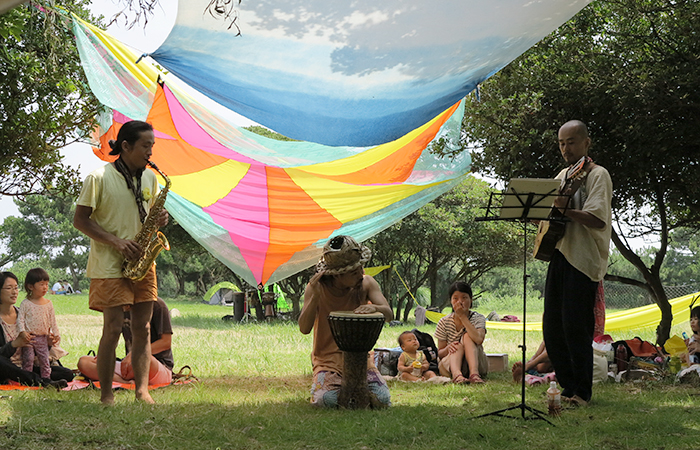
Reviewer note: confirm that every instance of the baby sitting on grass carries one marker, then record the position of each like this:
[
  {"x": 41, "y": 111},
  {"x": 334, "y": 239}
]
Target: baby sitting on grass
[{"x": 412, "y": 365}]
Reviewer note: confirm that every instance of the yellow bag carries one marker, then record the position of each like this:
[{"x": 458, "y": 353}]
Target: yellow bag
[{"x": 675, "y": 346}]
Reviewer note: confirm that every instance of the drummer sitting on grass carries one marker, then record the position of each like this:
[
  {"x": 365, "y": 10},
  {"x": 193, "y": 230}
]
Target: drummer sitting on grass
[{"x": 340, "y": 285}]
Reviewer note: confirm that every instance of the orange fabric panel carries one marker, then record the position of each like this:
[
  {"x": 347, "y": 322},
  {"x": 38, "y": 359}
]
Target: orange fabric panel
[
  {"x": 397, "y": 167},
  {"x": 175, "y": 157},
  {"x": 294, "y": 217}
]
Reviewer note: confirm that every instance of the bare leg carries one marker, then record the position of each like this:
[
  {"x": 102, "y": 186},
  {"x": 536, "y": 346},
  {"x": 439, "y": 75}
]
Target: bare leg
[
  {"x": 470, "y": 354},
  {"x": 408, "y": 376},
  {"x": 106, "y": 352},
  {"x": 540, "y": 356},
  {"x": 536, "y": 361},
  {"x": 539, "y": 361},
  {"x": 141, "y": 349},
  {"x": 456, "y": 362},
  {"x": 87, "y": 365}
]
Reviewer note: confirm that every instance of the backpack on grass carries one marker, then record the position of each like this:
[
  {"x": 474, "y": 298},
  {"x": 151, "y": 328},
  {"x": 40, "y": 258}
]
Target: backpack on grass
[{"x": 427, "y": 345}]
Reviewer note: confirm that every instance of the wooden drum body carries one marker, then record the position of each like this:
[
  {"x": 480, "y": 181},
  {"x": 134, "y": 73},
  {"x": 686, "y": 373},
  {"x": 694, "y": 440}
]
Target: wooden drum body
[
  {"x": 355, "y": 335},
  {"x": 269, "y": 301}
]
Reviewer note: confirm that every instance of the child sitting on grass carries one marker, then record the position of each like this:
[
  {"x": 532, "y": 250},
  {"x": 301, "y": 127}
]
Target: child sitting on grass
[{"x": 412, "y": 360}]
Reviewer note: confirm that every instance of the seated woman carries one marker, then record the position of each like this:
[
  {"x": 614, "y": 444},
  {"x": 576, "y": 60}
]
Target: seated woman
[
  {"x": 161, "y": 366},
  {"x": 11, "y": 341},
  {"x": 538, "y": 364},
  {"x": 460, "y": 336}
]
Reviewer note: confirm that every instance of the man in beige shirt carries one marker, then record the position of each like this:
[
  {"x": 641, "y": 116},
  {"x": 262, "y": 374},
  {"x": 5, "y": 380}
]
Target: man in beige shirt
[
  {"x": 113, "y": 203},
  {"x": 577, "y": 266}
]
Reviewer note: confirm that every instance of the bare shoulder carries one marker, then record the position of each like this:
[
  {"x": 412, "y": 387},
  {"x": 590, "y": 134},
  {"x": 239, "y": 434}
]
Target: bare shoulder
[
  {"x": 371, "y": 290},
  {"x": 369, "y": 283}
]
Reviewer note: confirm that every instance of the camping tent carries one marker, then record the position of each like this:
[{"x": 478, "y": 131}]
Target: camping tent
[{"x": 221, "y": 294}]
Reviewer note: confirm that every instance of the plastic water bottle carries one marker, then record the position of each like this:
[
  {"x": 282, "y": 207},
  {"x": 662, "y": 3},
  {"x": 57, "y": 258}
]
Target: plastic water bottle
[{"x": 554, "y": 399}]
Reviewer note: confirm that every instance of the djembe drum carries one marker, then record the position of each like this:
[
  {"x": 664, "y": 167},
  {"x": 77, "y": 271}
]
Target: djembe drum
[
  {"x": 355, "y": 334},
  {"x": 269, "y": 301}
]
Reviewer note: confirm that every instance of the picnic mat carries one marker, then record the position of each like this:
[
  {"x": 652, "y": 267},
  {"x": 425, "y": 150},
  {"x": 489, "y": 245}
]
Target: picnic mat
[{"x": 184, "y": 376}]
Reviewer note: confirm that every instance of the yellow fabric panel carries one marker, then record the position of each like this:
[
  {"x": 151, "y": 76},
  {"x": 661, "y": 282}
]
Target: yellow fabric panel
[
  {"x": 339, "y": 199},
  {"x": 209, "y": 185},
  {"x": 370, "y": 156},
  {"x": 373, "y": 271},
  {"x": 145, "y": 73}
]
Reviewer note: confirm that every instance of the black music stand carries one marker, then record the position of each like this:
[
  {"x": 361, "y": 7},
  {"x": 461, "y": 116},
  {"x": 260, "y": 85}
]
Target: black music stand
[{"x": 524, "y": 200}]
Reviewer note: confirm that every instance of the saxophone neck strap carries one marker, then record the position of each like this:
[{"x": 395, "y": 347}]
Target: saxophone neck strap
[{"x": 135, "y": 189}]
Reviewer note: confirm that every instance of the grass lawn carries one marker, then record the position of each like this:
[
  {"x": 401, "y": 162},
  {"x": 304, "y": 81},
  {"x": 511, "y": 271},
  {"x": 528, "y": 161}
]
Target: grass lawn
[{"x": 254, "y": 390}]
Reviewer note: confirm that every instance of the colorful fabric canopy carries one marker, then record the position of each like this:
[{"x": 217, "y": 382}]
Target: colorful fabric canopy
[
  {"x": 266, "y": 207},
  {"x": 350, "y": 73}
]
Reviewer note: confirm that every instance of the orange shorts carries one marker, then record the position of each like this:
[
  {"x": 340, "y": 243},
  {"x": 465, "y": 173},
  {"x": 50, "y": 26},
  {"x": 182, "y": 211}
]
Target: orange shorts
[{"x": 110, "y": 292}]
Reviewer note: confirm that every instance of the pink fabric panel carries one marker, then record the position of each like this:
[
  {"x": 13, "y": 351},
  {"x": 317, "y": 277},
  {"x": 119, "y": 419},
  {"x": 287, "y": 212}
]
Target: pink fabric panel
[
  {"x": 192, "y": 133},
  {"x": 245, "y": 210}
]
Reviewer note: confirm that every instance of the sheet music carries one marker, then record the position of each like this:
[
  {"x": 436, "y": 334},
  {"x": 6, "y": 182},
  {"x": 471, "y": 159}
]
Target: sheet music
[{"x": 515, "y": 196}]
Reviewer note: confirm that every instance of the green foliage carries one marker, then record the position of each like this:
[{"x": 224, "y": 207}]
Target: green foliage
[
  {"x": 682, "y": 264},
  {"x": 188, "y": 269},
  {"x": 45, "y": 232},
  {"x": 627, "y": 68},
  {"x": 262, "y": 131},
  {"x": 45, "y": 102},
  {"x": 442, "y": 242},
  {"x": 20, "y": 268}
]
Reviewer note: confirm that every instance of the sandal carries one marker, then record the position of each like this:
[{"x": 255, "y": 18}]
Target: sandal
[
  {"x": 475, "y": 379},
  {"x": 459, "y": 379}
]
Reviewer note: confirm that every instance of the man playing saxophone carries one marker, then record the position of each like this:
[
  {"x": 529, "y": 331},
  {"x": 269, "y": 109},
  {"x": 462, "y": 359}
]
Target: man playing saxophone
[{"x": 114, "y": 202}]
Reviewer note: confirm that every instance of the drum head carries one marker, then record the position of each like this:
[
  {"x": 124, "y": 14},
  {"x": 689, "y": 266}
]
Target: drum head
[
  {"x": 353, "y": 315},
  {"x": 355, "y": 332}
]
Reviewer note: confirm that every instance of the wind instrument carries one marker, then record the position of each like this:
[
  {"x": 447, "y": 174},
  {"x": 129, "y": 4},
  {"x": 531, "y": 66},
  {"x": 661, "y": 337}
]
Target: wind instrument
[{"x": 149, "y": 238}]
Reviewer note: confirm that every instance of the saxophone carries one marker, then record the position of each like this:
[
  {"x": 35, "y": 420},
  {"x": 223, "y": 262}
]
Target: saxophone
[{"x": 149, "y": 238}]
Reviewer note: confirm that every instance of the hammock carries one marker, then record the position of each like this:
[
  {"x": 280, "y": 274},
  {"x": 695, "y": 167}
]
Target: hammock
[{"x": 632, "y": 319}]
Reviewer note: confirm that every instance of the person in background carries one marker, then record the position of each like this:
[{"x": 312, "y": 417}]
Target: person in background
[
  {"x": 36, "y": 317},
  {"x": 693, "y": 342},
  {"x": 162, "y": 362},
  {"x": 412, "y": 358},
  {"x": 11, "y": 341},
  {"x": 460, "y": 336}
]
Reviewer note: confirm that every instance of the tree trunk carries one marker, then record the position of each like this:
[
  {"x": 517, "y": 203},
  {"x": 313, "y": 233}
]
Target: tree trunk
[
  {"x": 399, "y": 304},
  {"x": 432, "y": 279},
  {"x": 296, "y": 310},
  {"x": 409, "y": 306},
  {"x": 652, "y": 283},
  {"x": 76, "y": 281}
]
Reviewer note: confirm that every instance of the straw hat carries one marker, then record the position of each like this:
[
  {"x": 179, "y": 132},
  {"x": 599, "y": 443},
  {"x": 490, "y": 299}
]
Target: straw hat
[{"x": 342, "y": 254}]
